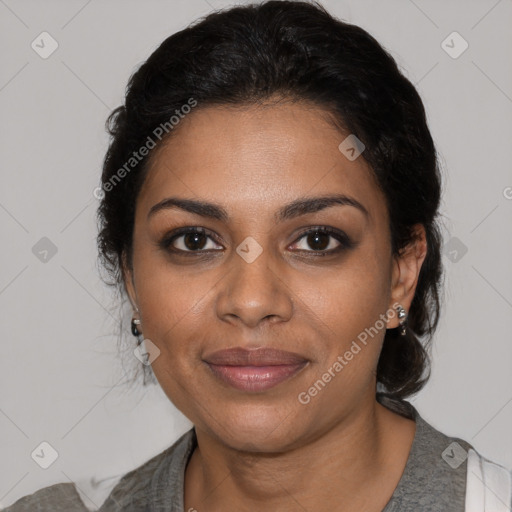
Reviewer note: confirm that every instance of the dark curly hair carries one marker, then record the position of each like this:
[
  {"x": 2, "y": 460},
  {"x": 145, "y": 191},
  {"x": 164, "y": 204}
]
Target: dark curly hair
[{"x": 297, "y": 51}]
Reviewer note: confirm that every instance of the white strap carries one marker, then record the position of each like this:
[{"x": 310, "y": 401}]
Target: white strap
[{"x": 489, "y": 485}]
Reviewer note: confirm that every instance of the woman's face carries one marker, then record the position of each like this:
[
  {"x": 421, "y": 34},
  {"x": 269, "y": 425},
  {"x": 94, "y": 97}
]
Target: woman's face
[{"x": 251, "y": 278}]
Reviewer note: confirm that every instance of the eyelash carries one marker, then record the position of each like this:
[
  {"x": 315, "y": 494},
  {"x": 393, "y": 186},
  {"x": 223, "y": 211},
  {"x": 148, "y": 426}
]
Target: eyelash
[{"x": 340, "y": 236}]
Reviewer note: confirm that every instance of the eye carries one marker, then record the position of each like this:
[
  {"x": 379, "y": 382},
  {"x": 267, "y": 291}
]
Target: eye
[
  {"x": 323, "y": 240},
  {"x": 320, "y": 240},
  {"x": 190, "y": 239}
]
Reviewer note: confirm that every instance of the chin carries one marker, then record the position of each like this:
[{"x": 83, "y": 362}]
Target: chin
[{"x": 256, "y": 428}]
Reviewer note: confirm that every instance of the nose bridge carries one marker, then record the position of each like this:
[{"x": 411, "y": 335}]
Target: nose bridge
[
  {"x": 252, "y": 269},
  {"x": 253, "y": 289}
]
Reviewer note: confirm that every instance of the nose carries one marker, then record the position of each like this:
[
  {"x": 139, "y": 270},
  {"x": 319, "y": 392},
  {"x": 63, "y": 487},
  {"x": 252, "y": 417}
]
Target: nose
[{"x": 254, "y": 292}]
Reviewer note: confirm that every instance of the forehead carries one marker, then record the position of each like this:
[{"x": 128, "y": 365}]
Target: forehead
[{"x": 255, "y": 158}]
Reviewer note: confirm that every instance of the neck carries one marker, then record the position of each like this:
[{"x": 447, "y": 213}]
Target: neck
[{"x": 339, "y": 465}]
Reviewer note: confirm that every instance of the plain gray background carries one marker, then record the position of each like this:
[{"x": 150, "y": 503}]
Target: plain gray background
[{"x": 60, "y": 366}]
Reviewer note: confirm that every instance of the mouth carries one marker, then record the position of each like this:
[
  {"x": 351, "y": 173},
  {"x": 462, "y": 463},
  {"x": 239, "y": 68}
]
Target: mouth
[{"x": 254, "y": 370}]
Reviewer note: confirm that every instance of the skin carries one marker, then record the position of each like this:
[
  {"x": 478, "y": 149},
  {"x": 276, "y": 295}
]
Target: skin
[{"x": 267, "y": 451}]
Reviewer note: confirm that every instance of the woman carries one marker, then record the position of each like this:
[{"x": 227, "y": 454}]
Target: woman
[{"x": 270, "y": 203}]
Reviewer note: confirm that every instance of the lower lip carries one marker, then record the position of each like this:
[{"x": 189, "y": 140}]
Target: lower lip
[{"x": 255, "y": 378}]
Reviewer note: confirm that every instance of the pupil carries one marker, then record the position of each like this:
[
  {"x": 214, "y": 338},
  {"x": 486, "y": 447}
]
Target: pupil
[
  {"x": 192, "y": 239},
  {"x": 314, "y": 243}
]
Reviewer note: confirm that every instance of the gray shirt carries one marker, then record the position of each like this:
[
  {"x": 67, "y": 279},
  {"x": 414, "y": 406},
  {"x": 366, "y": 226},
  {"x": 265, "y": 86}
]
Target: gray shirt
[{"x": 433, "y": 480}]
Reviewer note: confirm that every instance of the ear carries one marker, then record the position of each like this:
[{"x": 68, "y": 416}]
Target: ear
[
  {"x": 128, "y": 281},
  {"x": 406, "y": 270}
]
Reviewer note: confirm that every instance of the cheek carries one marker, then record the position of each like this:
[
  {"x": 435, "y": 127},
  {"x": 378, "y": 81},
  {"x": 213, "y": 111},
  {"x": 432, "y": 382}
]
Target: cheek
[
  {"x": 173, "y": 318},
  {"x": 169, "y": 300},
  {"x": 347, "y": 309},
  {"x": 349, "y": 298}
]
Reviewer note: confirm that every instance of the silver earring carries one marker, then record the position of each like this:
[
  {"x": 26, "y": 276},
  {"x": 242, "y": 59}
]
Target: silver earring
[
  {"x": 402, "y": 316},
  {"x": 135, "y": 330}
]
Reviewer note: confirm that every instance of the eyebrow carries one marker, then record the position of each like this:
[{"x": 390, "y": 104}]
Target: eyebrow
[{"x": 301, "y": 206}]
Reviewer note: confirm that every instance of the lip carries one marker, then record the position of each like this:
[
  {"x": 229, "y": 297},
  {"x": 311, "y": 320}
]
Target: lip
[
  {"x": 265, "y": 356},
  {"x": 254, "y": 370}
]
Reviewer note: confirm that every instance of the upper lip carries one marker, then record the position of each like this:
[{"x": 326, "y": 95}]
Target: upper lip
[{"x": 239, "y": 356}]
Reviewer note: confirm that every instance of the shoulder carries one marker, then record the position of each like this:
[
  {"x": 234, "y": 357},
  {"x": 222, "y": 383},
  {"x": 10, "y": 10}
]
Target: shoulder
[
  {"x": 438, "y": 465},
  {"x": 160, "y": 477},
  {"x": 58, "y": 497},
  {"x": 437, "y": 473}
]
